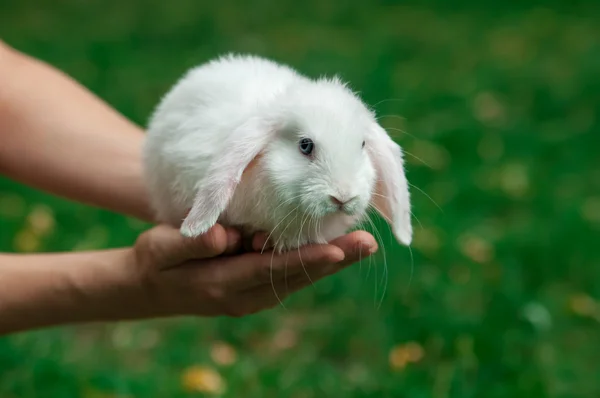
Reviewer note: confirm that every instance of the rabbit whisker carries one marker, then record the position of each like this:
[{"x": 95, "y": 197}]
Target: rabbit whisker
[
  {"x": 412, "y": 266},
  {"x": 387, "y": 100},
  {"x": 373, "y": 206},
  {"x": 272, "y": 256},
  {"x": 387, "y": 219},
  {"x": 273, "y": 230},
  {"x": 273, "y": 282},
  {"x": 418, "y": 158},
  {"x": 385, "y": 266},
  {"x": 286, "y": 260},
  {"x": 300, "y": 230},
  {"x": 425, "y": 193},
  {"x": 319, "y": 226},
  {"x": 400, "y": 131}
]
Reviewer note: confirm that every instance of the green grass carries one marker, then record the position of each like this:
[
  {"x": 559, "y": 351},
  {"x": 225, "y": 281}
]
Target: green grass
[{"x": 500, "y": 103}]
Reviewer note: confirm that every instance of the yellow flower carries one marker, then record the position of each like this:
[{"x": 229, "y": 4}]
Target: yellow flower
[
  {"x": 398, "y": 358},
  {"x": 415, "y": 351},
  {"x": 203, "y": 379},
  {"x": 401, "y": 355}
]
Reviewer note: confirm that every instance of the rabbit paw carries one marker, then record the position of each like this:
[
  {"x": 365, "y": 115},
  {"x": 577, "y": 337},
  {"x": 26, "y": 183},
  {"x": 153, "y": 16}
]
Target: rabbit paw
[{"x": 192, "y": 230}]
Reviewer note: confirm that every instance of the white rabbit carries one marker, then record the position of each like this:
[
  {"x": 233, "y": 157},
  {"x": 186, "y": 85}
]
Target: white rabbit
[{"x": 253, "y": 144}]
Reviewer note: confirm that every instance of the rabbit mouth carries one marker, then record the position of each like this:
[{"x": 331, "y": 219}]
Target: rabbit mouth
[
  {"x": 343, "y": 211},
  {"x": 349, "y": 209}
]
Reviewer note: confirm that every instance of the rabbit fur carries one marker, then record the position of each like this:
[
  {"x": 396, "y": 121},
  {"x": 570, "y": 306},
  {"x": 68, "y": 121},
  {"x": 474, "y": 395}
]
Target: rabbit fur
[{"x": 224, "y": 145}]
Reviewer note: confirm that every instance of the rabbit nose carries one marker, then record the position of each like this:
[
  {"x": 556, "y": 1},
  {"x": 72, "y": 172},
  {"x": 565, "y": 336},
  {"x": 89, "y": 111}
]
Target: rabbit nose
[{"x": 340, "y": 202}]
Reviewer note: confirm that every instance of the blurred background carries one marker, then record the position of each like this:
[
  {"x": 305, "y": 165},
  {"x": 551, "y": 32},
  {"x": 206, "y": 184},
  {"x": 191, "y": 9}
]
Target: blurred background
[{"x": 500, "y": 106}]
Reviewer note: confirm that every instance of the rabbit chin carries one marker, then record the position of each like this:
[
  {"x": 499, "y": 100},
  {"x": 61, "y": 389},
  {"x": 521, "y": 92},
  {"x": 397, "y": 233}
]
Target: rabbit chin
[
  {"x": 257, "y": 207},
  {"x": 287, "y": 231}
]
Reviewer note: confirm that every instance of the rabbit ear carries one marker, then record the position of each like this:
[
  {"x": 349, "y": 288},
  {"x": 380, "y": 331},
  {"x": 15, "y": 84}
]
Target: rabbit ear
[
  {"x": 392, "y": 198},
  {"x": 217, "y": 188}
]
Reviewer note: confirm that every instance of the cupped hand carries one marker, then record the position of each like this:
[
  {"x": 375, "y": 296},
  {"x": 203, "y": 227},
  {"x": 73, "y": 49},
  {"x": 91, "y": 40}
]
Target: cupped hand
[{"x": 205, "y": 276}]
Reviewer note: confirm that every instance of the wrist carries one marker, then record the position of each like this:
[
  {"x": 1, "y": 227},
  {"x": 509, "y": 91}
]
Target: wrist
[
  {"x": 110, "y": 287},
  {"x": 45, "y": 290}
]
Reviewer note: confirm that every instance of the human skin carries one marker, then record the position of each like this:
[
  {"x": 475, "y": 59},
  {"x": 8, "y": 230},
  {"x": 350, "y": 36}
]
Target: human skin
[{"x": 58, "y": 137}]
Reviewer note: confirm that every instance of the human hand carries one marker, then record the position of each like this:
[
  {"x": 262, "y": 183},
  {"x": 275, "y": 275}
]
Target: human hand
[{"x": 203, "y": 276}]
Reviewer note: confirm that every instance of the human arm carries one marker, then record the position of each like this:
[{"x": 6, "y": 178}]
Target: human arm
[
  {"x": 57, "y": 136},
  {"x": 163, "y": 275}
]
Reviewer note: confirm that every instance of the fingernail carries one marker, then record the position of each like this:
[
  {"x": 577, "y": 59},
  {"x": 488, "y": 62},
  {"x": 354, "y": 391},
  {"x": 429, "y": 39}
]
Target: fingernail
[
  {"x": 370, "y": 248},
  {"x": 365, "y": 249}
]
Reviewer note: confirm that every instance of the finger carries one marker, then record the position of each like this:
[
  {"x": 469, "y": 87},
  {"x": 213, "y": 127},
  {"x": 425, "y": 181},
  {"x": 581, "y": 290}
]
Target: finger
[
  {"x": 253, "y": 269},
  {"x": 311, "y": 263},
  {"x": 350, "y": 244},
  {"x": 255, "y": 243},
  {"x": 356, "y": 246},
  {"x": 178, "y": 249},
  {"x": 274, "y": 294},
  {"x": 260, "y": 242},
  {"x": 234, "y": 241}
]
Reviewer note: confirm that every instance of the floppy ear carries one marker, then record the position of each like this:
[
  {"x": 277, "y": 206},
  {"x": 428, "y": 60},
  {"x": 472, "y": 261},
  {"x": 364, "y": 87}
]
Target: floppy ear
[
  {"x": 392, "y": 198},
  {"x": 217, "y": 188}
]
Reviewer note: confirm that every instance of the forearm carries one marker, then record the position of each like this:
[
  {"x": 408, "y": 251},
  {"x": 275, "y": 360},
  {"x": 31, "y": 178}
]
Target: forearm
[
  {"x": 44, "y": 290},
  {"x": 57, "y": 136}
]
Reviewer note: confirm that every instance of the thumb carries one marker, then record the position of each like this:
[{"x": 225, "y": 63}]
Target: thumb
[{"x": 176, "y": 249}]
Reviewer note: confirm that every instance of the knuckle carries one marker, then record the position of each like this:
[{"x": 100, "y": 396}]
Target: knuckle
[
  {"x": 151, "y": 241},
  {"x": 152, "y": 247}
]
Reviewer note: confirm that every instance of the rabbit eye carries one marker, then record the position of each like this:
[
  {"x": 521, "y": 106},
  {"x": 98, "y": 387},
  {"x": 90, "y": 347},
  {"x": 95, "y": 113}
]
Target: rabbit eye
[
  {"x": 363, "y": 144},
  {"x": 306, "y": 146}
]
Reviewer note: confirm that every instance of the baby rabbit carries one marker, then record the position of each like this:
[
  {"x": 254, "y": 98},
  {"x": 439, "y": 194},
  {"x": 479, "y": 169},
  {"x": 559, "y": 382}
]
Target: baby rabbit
[{"x": 253, "y": 144}]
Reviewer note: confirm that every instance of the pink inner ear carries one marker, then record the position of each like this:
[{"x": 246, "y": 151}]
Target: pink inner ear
[
  {"x": 241, "y": 153},
  {"x": 252, "y": 163},
  {"x": 392, "y": 200},
  {"x": 382, "y": 205}
]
